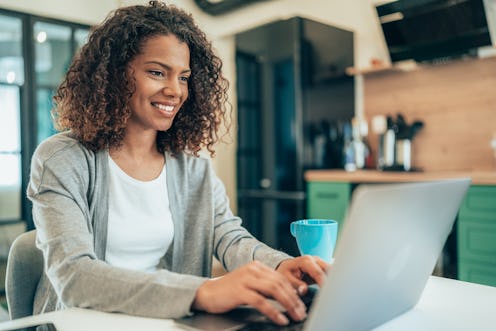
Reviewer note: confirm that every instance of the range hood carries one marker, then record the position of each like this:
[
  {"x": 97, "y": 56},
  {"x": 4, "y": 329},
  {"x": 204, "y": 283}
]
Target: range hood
[{"x": 427, "y": 30}]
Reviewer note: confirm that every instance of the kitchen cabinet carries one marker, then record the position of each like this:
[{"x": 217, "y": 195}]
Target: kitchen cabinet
[
  {"x": 470, "y": 252},
  {"x": 328, "y": 200},
  {"x": 477, "y": 236}
]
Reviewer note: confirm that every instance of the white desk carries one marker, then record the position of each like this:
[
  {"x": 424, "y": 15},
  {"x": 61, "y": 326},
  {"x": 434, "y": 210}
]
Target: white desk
[
  {"x": 445, "y": 305},
  {"x": 448, "y": 304}
]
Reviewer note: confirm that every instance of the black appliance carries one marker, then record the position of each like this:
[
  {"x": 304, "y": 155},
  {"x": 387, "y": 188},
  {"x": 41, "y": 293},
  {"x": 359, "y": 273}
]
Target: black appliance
[
  {"x": 290, "y": 80},
  {"x": 425, "y": 30}
]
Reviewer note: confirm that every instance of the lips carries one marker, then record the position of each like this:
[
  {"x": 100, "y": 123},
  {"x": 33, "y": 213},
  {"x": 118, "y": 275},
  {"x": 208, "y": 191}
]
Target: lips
[{"x": 163, "y": 107}]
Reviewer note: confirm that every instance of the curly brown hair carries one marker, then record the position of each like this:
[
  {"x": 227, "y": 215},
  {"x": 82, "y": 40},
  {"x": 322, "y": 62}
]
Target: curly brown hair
[{"x": 93, "y": 99}]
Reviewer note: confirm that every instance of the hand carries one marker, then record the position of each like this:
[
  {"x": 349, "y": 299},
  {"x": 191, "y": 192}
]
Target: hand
[
  {"x": 303, "y": 271},
  {"x": 252, "y": 285}
]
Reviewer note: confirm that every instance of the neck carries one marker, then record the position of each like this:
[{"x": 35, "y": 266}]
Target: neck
[
  {"x": 138, "y": 145},
  {"x": 138, "y": 156}
]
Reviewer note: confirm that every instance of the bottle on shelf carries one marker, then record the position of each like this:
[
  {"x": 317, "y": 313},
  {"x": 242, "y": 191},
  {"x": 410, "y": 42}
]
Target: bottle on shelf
[
  {"x": 357, "y": 150},
  {"x": 389, "y": 143},
  {"x": 379, "y": 128},
  {"x": 348, "y": 148}
]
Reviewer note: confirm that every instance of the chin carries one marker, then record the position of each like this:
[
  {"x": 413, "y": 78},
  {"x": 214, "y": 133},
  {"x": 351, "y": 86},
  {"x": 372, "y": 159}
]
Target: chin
[{"x": 164, "y": 126}]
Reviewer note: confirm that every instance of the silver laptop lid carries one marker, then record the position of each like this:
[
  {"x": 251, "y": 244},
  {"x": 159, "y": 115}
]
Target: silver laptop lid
[{"x": 391, "y": 239}]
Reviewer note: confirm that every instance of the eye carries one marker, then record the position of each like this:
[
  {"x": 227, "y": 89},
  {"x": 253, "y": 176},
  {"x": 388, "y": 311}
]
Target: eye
[
  {"x": 156, "y": 73},
  {"x": 184, "y": 78}
]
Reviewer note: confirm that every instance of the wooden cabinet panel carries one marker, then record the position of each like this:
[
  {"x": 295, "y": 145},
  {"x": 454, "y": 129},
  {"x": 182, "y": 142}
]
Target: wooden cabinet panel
[{"x": 458, "y": 114}]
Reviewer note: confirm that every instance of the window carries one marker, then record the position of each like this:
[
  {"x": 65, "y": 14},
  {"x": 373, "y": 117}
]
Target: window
[
  {"x": 53, "y": 54},
  {"x": 11, "y": 80},
  {"x": 35, "y": 53}
]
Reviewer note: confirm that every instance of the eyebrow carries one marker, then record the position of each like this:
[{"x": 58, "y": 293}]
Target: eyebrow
[{"x": 166, "y": 66}]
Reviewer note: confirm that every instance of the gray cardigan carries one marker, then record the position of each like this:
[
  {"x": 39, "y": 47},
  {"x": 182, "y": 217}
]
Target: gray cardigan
[{"x": 69, "y": 192}]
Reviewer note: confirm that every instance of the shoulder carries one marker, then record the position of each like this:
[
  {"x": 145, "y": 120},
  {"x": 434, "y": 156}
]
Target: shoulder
[
  {"x": 61, "y": 147},
  {"x": 63, "y": 159}
]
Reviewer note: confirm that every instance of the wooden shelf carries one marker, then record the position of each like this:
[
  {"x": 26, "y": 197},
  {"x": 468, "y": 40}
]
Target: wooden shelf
[
  {"x": 375, "y": 176},
  {"x": 397, "y": 67},
  {"x": 352, "y": 71},
  {"x": 411, "y": 65}
]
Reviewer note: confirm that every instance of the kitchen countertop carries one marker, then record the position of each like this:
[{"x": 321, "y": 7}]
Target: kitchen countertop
[{"x": 376, "y": 176}]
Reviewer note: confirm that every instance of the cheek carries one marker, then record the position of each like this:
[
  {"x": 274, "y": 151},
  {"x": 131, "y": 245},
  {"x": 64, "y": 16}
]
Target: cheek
[
  {"x": 185, "y": 94},
  {"x": 136, "y": 99}
]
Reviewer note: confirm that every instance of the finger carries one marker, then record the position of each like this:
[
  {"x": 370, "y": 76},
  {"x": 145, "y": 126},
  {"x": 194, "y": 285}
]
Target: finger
[
  {"x": 300, "y": 285},
  {"x": 260, "y": 303},
  {"x": 280, "y": 289},
  {"x": 272, "y": 284},
  {"x": 322, "y": 264},
  {"x": 314, "y": 269},
  {"x": 293, "y": 271},
  {"x": 310, "y": 259}
]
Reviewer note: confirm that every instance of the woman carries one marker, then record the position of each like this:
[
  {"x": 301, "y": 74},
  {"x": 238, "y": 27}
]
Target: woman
[{"x": 128, "y": 216}]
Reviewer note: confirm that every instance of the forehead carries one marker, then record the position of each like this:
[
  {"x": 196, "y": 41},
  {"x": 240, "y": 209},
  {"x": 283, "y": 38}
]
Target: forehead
[{"x": 165, "y": 48}]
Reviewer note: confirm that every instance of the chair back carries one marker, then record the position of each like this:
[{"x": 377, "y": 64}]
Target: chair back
[{"x": 24, "y": 270}]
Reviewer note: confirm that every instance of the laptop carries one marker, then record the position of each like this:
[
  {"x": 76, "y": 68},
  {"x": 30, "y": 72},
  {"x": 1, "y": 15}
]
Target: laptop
[{"x": 388, "y": 247}]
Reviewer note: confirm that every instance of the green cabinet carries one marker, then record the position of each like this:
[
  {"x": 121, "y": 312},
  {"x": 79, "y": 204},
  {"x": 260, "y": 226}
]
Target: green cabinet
[
  {"x": 476, "y": 233},
  {"x": 328, "y": 200},
  {"x": 476, "y": 225}
]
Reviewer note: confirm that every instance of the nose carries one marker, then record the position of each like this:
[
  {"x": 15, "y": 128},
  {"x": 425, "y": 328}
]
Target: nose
[{"x": 172, "y": 88}]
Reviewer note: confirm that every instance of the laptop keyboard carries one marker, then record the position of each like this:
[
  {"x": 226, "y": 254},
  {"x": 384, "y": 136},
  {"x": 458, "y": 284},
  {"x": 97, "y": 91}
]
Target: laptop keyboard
[
  {"x": 268, "y": 326},
  {"x": 292, "y": 326}
]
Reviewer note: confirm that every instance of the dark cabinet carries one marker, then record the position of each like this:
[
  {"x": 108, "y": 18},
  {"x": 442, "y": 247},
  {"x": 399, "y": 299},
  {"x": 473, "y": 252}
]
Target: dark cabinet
[{"x": 291, "y": 85}]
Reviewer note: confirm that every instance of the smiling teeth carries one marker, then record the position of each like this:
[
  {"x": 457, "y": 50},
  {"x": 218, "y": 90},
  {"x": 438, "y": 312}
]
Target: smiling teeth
[{"x": 164, "y": 107}]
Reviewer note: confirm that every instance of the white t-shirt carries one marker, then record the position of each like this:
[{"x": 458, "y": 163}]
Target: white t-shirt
[{"x": 140, "y": 228}]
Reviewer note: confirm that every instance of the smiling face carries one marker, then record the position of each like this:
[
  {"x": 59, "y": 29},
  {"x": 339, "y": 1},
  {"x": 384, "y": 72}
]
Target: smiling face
[{"x": 161, "y": 72}]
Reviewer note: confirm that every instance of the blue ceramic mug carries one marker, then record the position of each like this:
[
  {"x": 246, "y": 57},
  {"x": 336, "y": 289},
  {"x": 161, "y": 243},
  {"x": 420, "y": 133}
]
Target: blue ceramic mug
[{"x": 316, "y": 237}]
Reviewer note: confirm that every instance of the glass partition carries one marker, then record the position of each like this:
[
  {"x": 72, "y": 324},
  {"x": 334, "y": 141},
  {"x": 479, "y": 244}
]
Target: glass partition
[
  {"x": 11, "y": 57},
  {"x": 80, "y": 37},
  {"x": 35, "y": 53},
  {"x": 11, "y": 79},
  {"x": 54, "y": 49},
  {"x": 10, "y": 154},
  {"x": 53, "y": 54}
]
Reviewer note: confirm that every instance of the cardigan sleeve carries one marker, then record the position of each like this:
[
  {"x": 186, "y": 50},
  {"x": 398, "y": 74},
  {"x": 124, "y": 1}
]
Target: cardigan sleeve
[
  {"x": 57, "y": 190},
  {"x": 234, "y": 246}
]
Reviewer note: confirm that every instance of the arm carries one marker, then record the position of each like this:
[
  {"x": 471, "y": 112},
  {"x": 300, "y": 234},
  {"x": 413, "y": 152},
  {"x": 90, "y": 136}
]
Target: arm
[
  {"x": 253, "y": 278},
  {"x": 65, "y": 235},
  {"x": 236, "y": 247}
]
